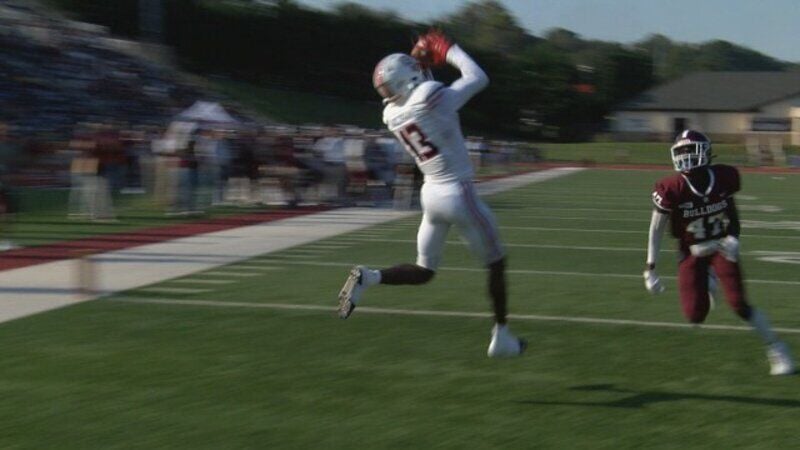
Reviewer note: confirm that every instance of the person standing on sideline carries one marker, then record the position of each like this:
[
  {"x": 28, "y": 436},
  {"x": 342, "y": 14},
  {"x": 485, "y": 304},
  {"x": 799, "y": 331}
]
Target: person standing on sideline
[{"x": 423, "y": 115}]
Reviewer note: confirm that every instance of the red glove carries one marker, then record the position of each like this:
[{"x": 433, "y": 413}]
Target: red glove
[{"x": 431, "y": 49}]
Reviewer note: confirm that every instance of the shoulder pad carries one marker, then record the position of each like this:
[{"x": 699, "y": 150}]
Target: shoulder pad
[
  {"x": 424, "y": 91},
  {"x": 727, "y": 177},
  {"x": 666, "y": 192}
]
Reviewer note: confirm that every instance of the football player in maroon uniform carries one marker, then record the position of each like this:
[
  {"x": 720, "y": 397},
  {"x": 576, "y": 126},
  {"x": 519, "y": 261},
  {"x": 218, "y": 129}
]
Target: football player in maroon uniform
[{"x": 699, "y": 205}]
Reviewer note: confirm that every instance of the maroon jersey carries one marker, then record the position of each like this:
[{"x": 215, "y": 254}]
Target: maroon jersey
[{"x": 700, "y": 203}]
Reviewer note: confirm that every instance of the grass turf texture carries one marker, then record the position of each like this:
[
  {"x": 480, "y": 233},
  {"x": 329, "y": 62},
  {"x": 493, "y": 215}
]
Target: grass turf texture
[{"x": 110, "y": 374}]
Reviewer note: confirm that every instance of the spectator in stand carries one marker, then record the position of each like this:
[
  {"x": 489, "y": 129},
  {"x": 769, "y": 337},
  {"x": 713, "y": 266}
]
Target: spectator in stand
[
  {"x": 90, "y": 196},
  {"x": 379, "y": 160},
  {"x": 244, "y": 169},
  {"x": 207, "y": 167},
  {"x": 108, "y": 151},
  {"x": 135, "y": 144},
  {"x": 310, "y": 168},
  {"x": 83, "y": 173},
  {"x": 223, "y": 156},
  {"x": 285, "y": 168},
  {"x": 330, "y": 149},
  {"x": 477, "y": 149},
  {"x": 187, "y": 180},
  {"x": 354, "y": 147},
  {"x": 8, "y": 201}
]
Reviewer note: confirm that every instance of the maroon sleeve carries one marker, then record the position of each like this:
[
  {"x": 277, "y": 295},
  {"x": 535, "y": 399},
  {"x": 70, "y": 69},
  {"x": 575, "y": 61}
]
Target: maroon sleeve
[{"x": 664, "y": 197}]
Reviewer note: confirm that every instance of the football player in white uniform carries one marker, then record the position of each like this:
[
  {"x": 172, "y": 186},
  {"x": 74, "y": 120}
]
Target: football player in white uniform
[{"x": 423, "y": 115}]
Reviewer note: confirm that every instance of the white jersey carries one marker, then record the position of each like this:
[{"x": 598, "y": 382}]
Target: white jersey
[{"x": 427, "y": 122}]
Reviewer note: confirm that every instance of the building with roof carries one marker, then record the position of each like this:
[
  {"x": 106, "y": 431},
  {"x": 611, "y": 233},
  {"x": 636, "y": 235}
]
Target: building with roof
[{"x": 728, "y": 106}]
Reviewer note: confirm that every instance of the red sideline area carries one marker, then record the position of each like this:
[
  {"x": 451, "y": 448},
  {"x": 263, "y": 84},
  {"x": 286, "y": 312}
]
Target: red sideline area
[{"x": 28, "y": 256}]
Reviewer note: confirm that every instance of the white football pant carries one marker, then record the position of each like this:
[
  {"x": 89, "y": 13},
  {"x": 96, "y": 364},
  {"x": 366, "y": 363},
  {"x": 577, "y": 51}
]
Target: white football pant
[{"x": 456, "y": 204}]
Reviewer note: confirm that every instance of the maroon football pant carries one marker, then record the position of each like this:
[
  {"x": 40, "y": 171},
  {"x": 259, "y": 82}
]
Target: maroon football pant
[{"x": 693, "y": 286}]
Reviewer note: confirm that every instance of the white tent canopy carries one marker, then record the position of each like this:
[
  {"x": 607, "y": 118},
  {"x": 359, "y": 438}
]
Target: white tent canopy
[{"x": 209, "y": 112}]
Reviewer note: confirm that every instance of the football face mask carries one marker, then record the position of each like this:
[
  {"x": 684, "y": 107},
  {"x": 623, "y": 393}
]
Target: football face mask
[
  {"x": 687, "y": 157},
  {"x": 691, "y": 149}
]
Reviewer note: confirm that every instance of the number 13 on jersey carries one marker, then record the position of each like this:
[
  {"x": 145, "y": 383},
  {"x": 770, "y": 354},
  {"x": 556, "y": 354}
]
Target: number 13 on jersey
[{"x": 416, "y": 143}]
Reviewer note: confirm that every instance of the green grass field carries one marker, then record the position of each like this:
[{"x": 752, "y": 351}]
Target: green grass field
[{"x": 226, "y": 368}]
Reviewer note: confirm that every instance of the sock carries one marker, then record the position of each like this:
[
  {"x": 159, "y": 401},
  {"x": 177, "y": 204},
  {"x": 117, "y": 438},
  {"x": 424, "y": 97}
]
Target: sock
[
  {"x": 370, "y": 277},
  {"x": 406, "y": 274},
  {"x": 497, "y": 290},
  {"x": 761, "y": 326}
]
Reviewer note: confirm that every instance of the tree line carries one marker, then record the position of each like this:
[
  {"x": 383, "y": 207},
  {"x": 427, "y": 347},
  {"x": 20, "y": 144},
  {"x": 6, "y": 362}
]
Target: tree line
[{"x": 558, "y": 86}]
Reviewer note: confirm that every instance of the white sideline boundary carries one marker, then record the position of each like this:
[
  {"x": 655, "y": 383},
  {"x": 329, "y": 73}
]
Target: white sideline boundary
[
  {"x": 435, "y": 313},
  {"x": 43, "y": 287}
]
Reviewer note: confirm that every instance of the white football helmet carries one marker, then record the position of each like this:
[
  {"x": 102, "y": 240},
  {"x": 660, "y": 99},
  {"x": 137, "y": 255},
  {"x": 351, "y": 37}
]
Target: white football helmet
[
  {"x": 691, "y": 149},
  {"x": 397, "y": 75}
]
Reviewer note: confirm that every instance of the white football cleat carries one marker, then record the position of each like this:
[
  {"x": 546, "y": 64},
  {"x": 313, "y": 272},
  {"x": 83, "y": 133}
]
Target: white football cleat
[
  {"x": 504, "y": 344},
  {"x": 780, "y": 361},
  {"x": 351, "y": 292}
]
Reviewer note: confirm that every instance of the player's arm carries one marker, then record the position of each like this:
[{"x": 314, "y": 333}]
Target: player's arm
[
  {"x": 662, "y": 205},
  {"x": 658, "y": 223},
  {"x": 435, "y": 49},
  {"x": 729, "y": 245},
  {"x": 473, "y": 79}
]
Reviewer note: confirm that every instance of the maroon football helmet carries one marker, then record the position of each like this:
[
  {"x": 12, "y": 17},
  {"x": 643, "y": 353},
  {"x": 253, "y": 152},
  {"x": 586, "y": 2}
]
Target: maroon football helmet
[{"x": 691, "y": 149}]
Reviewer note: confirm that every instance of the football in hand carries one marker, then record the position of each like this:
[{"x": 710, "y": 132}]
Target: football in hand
[{"x": 431, "y": 49}]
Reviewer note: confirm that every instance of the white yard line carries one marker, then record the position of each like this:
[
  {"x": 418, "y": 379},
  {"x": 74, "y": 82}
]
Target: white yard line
[
  {"x": 612, "y": 231},
  {"x": 434, "y": 313},
  {"x": 172, "y": 290},
  {"x": 510, "y": 245},
  {"x": 201, "y": 281},
  {"x": 644, "y": 211},
  {"x": 230, "y": 273},
  {"x": 641, "y": 249},
  {"x": 267, "y": 265},
  {"x": 315, "y": 250},
  {"x": 539, "y": 272},
  {"x": 327, "y": 246}
]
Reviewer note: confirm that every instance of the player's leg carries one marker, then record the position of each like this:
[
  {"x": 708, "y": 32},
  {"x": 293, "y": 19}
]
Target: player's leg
[
  {"x": 477, "y": 226},
  {"x": 406, "y": 274},
  {"x": 478, "y": 229},
  {"x": 693, "y": 288},
  {"x": 732, "y": 282},
  {"x": 730, "y": 279},
  {"x": 431, "y": 238},
  {"x": 497, "y": 290}
]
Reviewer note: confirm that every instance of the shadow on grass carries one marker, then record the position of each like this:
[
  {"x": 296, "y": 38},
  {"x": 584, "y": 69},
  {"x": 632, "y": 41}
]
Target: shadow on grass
[{"x": 633, "y": 399}]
